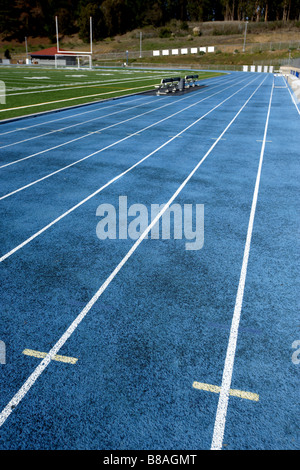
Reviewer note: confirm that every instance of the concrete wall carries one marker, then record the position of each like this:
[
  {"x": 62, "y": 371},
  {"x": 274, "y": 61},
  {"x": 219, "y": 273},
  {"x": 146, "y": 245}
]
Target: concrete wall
[{"x": 292, "y": 75}]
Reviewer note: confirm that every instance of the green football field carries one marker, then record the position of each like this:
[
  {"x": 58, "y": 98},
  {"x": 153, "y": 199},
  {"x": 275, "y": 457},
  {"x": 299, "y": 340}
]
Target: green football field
[{"x": 29, "y": 90}]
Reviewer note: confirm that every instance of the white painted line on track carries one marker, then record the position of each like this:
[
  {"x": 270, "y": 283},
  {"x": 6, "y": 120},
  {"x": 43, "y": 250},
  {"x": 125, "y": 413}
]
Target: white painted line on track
[
  {"x": 11, "y": 406},
  {"x": 219, "y": 79},
  {"x": 46, "y": 122},
  {"x": 114, "y": 143},
  {"x": 220, "y": 419},
  {"x": 28, "y": 240},
  {"x": 74, "y": 125},
  {"x": 116, "y": 124},
  {"x": 82, "y": 123}
]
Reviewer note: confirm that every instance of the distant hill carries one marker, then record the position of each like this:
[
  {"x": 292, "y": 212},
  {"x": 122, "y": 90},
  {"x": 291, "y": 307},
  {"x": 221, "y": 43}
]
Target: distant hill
[{"x": 116, "y": 17}]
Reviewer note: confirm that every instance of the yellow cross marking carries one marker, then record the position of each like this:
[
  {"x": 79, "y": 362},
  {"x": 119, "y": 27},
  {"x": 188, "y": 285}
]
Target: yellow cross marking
[
  {"x": 233, "y": 392},
  {"x": 31, "y": 352}
]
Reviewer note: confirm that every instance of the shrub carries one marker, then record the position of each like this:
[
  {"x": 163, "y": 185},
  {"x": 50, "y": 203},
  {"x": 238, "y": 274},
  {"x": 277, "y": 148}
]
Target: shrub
[
  {"x": 165, "y": 33},
  {"x": 7, "y": 54},
  {"x": 184, "y": 26}
]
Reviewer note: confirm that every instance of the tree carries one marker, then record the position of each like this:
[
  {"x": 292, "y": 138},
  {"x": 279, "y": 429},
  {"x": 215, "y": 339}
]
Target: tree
[{"x": 7, "y": 54}]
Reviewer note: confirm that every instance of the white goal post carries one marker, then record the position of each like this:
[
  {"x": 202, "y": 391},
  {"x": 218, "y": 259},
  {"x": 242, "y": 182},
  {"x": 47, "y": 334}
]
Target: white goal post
[{"x": 77, "y": 54}]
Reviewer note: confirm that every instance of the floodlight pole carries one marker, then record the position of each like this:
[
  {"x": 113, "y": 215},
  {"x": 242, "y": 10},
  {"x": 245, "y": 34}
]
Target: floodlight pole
[
  {"x": 57, "y": 42},
  {"x": 26, "y": 48},
  {"x": 245, "y": 36},
  {"x": 141, "y": 35},
  {"x": 91, "y": 34}
]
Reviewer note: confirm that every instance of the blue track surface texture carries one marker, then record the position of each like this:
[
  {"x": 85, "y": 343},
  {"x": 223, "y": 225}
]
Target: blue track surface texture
[{"x": 165, "y": 320}]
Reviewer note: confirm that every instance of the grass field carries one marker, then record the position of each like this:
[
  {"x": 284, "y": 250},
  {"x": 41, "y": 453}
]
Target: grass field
[{"x": 31, "y": 90}]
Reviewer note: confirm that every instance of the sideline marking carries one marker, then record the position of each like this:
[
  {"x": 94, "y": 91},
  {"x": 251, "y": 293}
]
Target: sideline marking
[
  {"x": 233, "y": 392},
  {"x": 12, "y": 404},
  {"x": 57, "y": 357},
  {"x": 97, "y": 84},
  {"x": 75, "y": 98},
  {"x": 220, "y": 420}
]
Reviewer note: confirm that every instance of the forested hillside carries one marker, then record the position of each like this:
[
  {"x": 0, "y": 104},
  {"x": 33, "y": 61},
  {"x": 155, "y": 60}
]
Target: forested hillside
[{"x": 21, "y": 18}]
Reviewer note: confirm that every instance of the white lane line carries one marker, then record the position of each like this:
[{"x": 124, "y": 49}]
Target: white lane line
[
  {"x": 46, "y": 122},
  {"x": 114, "y": 143},
  {"x": 46, "y": 227},
  {"x": 121, "y": 122},
  {"x": 220, "y": 419},
  {"x": 81, "y": 123},
  {"x": 11, "y": 406}
]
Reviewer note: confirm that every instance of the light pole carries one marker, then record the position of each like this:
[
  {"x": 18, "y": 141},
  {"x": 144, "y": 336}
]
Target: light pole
[
  {"x": 141, "y": 35},
  {"x": 26, "y": 48},
  {"x": 245, "y": 35}
]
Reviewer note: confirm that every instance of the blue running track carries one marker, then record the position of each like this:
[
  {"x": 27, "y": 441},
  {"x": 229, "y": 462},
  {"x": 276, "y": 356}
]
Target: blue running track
[{"x": 139, "y": 343}]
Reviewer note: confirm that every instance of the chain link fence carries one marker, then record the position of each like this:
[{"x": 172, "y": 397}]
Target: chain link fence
[{"x": 122, "y": 58}]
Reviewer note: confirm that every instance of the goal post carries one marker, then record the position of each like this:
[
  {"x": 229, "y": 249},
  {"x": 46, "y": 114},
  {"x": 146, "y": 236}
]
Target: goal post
[{"x": 77, "y": 54}]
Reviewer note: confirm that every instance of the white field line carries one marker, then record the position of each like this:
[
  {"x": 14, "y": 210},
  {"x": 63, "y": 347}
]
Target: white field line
[
  {"x": 223, "y": 79},
  {"x": 220, "y": 420},
  {"x": 95, "y": 80},
  {"x": 46, "y": 227},
  {"x": 116, "y": 124},
  {"x": 75, "y": 98},
  {"x": 83, "y": 123},
  {"x": 49, "y": 87},
  {"x": 57, "y": 86},
  {"x": 114, "y": 143},
  {"x": 11, "y": 406},
  {"x": 95, "y": 84}
]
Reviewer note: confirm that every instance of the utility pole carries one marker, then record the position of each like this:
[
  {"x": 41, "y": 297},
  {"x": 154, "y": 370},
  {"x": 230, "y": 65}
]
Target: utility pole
[
  {"x": 91, "y": 33},
  {"x": 245, "y": 35},
  {"x": 141, "y": 35},
  {"x": 26, "y": 48},
  {"x": 57, "y": 40}
]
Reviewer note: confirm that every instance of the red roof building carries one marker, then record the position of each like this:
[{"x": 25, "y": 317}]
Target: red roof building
[
  {"x": 50, "y": 52},
  {"x": 47, "y": 56}
]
